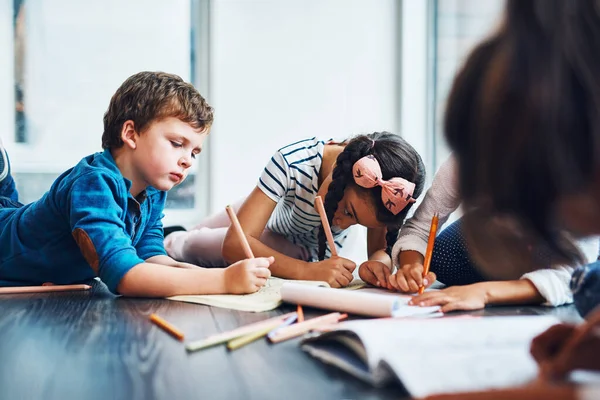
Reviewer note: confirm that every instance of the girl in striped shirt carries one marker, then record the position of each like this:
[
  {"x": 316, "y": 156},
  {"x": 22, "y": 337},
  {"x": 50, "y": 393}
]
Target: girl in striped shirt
[{"x": 279, "y": 217}]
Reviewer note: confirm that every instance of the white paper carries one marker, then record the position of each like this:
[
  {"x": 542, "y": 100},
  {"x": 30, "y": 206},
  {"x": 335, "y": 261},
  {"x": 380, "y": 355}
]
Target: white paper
[
  {"x": 359, "y": 302},
  {"x": 453, "y": 354}
]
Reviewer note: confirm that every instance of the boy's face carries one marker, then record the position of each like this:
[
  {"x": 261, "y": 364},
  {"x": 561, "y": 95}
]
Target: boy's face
[{"x": 165, "y": 152}]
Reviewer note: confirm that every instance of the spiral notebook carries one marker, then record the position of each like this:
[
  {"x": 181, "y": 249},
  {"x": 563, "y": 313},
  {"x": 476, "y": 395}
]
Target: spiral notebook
[{"x": 430, "y": 356}]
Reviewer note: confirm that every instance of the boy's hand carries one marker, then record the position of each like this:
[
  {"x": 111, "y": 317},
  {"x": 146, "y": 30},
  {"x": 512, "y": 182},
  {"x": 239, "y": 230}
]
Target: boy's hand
[
  {"x": 375, "y": 273},
  {"x": 469, "y": 297},
  {"x": 409, "y": 277},
  {"x": 247, "y": 276},
  {"x": 337, "y": 271},
  {"x": 564, "y": 348}
]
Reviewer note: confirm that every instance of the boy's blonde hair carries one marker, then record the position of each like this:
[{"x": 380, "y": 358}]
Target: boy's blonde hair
[{"x": 150, "y": 96}]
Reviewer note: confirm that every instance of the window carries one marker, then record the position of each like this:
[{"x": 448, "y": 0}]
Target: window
[
  {"x": 69, "y": 58},
  {"x": 457, "y": 26}
]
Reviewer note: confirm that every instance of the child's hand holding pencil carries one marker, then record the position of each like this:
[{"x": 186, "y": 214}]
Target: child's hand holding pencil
[
  {"x": 251, "y": 274},
  {"x": 247, "y": 276}
]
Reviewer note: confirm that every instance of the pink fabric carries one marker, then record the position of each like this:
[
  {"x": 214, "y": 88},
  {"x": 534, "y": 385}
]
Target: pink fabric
[
  {"x": 395, "y": 193},
  {"x": 202, "y": 244}
]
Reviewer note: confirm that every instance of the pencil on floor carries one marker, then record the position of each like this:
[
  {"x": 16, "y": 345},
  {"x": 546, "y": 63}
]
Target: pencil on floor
[
  {"x": 167, "y": 327},
  {"x": 321, "y": 210},
  {"x": 223, "y": 337},
  {"x": 429, "y": 251},
  {"x": 300, "y": 313},
  {"x": 290, "y": 320},
  {"x": 244, "y": 340},
  {"x": 43, "y": 289},
  {"x": 301, "y": 328},
  {"x": 240, "y": 233}
]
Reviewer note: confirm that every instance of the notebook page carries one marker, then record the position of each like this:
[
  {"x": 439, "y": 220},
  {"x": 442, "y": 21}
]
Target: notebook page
[
  {"x": 267, "y": 298},
  {"x": 453, "y": 354}
]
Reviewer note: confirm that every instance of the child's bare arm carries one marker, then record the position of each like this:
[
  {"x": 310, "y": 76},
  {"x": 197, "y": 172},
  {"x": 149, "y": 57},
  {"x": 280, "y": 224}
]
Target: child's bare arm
[
  {"x": 253, "y": 216},
  {"x": 168, "y": 261},
  {"x": 478, "y": 295},
  {"x": 157, "y": 280}
]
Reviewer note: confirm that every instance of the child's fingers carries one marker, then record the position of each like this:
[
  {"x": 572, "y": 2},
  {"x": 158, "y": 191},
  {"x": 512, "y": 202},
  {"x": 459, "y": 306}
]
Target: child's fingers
[
  {"x": 264, "y": 273},
  {"x": 347, "y": 275},
  {"x": 348, "y": 264},
  {"x": 546, "y": 345},
  {"x": 392, "y": 282},
  {"x": 412, "y": 284},
  {"x": 416, "y": 275},
  {"x": 343, "y": 280},
  {"x": 454, "y": 306},
  {"x": 261, "y": 262},
  {"x": 368, "y": 276},
  {"x": 260, "y": 282},
  {"x": 428, "y": 298},
  {"x": 430, "y": 278},
  {"x": 402, "y": 283},
  {"x": 381, "y": 273}
]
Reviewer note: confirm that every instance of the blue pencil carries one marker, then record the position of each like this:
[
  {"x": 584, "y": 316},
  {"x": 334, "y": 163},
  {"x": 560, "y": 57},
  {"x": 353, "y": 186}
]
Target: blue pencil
[{"x": 290, "y": 320}]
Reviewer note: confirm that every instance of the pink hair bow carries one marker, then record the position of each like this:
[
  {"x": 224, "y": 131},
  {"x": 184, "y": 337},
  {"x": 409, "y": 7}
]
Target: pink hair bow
[{"x": 395, "y": 193}]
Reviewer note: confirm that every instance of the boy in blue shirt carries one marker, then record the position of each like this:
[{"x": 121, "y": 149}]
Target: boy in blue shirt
[{"x": 103, "y": 217}]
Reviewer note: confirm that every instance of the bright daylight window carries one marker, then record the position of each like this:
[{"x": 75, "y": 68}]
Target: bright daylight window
[{"x": 68, "y": 59}]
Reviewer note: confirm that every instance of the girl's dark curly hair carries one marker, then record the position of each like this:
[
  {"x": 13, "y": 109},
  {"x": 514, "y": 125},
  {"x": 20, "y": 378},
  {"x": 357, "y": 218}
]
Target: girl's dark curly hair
[{"x": 396, "y": 157}]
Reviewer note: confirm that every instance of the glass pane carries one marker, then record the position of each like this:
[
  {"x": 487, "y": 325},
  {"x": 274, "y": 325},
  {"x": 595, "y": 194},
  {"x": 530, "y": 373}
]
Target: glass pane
[
  {"x": 69, "y": 58},
  {"x": 458, "y": 26}
]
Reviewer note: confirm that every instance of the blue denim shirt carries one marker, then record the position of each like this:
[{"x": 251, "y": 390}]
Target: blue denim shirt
[{"x": 86, "y": 225}]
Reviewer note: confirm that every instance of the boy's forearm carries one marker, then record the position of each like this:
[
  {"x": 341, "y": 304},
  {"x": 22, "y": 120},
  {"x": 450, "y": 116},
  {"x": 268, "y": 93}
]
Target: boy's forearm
[
  {"x": 166, "y": 260},
  {"x": 283, "y": 267},
  {"x": 156, "y": 280},
  {"x": 520, "y": 291}
]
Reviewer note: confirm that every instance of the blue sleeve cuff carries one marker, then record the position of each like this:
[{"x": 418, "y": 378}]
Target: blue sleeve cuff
[{"x": 116, "y": 266}]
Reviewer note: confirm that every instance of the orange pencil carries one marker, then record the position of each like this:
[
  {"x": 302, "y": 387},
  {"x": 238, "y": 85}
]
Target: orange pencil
[
  {"x": 167, "y": 327},
  {"x": 429, "y": 251},
  {"x": 40, "y": 289},
  {"x": 238, "y": 229},
  {"x": 321, "y": 210},
  {"x": 300, "y": 314}
]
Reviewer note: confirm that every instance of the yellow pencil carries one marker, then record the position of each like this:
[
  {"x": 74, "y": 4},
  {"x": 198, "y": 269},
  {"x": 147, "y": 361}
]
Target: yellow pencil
[{"x": 244, "y": 340}]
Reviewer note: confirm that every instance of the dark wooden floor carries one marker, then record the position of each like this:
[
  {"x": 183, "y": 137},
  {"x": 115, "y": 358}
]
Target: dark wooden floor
[{"x": 92, "y": 345}]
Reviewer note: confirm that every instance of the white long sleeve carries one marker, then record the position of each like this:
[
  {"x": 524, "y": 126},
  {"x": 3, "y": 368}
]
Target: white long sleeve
[
  {"x": 553, "y": 283},
  {"x": 442, "y": 197}
]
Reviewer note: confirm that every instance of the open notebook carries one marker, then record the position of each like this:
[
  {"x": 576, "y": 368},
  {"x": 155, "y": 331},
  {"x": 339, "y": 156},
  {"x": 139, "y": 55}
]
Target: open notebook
[
  {"x": 267, "y": 298},
  {"x": 429, "y": 356}
]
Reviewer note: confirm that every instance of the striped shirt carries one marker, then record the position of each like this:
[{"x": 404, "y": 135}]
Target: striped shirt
[{"x": 291, "y": 179}]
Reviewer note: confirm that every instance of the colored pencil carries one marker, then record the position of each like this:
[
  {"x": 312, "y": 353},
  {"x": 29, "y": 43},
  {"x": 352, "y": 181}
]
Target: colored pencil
[
  {"x": 300, "y": 313},
  {"x": 321, "y": 210},
  {"x": 167, "y": 327},
  {"x": 238, "y": 229},
  {"x": 287, "y": 322},
  {"x": 429, "y": 251},
  {"x": 301, "y": 328},
  {"x": 241, "y": 341},
  {"x": 42, "y": 289},
  {"x": 223, "y": 337}
]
